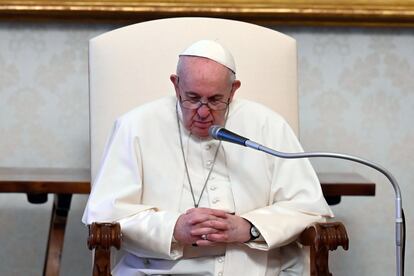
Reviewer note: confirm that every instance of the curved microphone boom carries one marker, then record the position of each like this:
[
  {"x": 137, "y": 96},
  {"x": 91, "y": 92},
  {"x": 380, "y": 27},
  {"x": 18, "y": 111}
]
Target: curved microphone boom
[{"x": 220, "y": 133}]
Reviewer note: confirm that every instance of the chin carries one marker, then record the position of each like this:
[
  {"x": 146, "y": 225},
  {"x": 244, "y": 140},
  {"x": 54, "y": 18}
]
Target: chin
[{"x": 201, "y": 133}]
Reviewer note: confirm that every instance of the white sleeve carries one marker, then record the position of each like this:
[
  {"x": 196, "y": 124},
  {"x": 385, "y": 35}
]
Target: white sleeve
[
  {"x": 296, "y": 198},
  {"x": 150, "y": 234},
  {"x": 116, "y": 196}
]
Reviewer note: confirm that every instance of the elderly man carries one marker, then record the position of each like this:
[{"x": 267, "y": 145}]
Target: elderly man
[{"x": 190, "y": 205}]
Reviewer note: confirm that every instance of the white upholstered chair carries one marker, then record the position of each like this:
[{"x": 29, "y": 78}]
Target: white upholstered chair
[{"x": 131, "y": 65}]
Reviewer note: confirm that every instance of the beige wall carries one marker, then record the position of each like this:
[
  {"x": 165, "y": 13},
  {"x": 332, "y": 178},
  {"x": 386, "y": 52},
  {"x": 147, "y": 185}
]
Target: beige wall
[{"x": 356, "y": 96}]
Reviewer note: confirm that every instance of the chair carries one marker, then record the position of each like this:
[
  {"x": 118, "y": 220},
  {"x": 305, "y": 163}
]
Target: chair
[{"x": 131, "y": 65}]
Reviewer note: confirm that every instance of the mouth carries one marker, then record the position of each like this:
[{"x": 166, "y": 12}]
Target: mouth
[{"x": 202, "y": 124}]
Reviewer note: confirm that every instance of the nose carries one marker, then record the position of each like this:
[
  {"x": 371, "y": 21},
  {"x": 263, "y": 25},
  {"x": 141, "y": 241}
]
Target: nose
[{"x": 203, "y": 111}]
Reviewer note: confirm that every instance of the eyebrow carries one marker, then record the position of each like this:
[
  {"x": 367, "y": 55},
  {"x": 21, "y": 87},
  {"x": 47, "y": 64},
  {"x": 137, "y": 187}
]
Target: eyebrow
[
  {"x": 195, "y": 94},
  {"x": 191, "y": 94}
]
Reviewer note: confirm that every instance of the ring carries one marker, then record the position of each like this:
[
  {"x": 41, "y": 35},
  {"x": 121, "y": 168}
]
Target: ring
[{"x": 204, "y": 237}]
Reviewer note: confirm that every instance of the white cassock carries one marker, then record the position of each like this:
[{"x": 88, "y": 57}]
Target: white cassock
[{"x": 143, "y": 185}]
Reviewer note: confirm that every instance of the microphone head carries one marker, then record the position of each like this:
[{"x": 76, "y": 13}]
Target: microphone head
[
  {"x": 213, "y": 131},
  {"x": 222, "y": 134}
]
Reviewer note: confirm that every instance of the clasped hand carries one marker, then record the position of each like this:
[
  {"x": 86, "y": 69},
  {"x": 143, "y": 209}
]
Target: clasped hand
[{"x": 216, "y": 226}]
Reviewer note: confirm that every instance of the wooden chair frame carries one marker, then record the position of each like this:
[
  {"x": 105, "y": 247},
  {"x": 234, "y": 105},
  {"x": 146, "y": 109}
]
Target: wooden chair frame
[{"x": 321, "y": 237}]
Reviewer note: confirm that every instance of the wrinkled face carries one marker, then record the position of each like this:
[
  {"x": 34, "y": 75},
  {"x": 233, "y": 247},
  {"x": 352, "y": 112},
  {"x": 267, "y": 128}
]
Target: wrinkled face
[{"x": 204, "y": 80}]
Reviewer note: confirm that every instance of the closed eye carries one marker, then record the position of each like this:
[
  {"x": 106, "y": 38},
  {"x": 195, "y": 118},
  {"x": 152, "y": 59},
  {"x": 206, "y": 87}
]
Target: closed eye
[{"x": 215, "y": 99}]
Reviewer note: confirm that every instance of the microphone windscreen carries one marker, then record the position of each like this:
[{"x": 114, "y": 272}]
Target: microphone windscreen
[
  {"x": 213, "y": 131},
  {"x": 220, "y": 133}
]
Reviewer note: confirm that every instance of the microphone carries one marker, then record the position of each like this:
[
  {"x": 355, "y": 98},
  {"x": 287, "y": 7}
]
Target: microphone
[{"x": 220, "y": 133}]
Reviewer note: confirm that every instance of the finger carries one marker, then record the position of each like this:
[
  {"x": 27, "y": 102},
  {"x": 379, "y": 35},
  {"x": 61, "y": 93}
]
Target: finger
[
  {"x": 219, "y": 213},
  {"x": 199, "y": 210},
  {"x": 203, "y": 210},
  {"x": 219, "y": 237},
  {"x": 219, "y": 225},
  {"x": 195, "y": 238},
  {"x": 205, "y": 243},
  {"x": 216, "y": 224},
  {"x": 203, "y": 231},
  {"x": 200, "y": 218},
  {"x": 189, "y": 211},
  {"x": 195, "y": 218}
]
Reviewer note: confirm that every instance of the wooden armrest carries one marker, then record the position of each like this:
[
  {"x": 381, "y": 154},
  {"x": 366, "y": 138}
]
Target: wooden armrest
[
  {"x": 103, "y": 236},
  {"x": 322, "y": 237}
]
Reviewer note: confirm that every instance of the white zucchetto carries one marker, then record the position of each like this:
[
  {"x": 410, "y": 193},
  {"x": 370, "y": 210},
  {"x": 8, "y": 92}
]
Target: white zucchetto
[{"x": 211, "y": 50}]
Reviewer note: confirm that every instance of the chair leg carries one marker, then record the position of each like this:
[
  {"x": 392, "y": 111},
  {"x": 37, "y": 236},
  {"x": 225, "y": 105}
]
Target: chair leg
[
  {"x": 319, "y": 262},
  {"x": 102, "y": 264},
  {"x": 61, "y": 206}
]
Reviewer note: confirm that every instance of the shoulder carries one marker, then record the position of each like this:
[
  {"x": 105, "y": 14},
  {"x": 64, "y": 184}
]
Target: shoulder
[
  {"x": 151, "y": 111},
  {"x": 260, "y": 123},
  {"x": 147, "y": 119},
  {"x": 254, "y": 113},
  {"x": 159, "y": 106}
]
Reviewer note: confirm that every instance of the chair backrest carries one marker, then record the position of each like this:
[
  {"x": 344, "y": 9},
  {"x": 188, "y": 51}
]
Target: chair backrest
[{"x": 131, "y": 65}]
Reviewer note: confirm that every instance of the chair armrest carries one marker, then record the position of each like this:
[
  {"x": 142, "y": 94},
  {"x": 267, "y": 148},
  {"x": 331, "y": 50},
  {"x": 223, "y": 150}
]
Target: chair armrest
[
  {"x": 323, "y": 237},
  {"x": 103, "y": 236}
]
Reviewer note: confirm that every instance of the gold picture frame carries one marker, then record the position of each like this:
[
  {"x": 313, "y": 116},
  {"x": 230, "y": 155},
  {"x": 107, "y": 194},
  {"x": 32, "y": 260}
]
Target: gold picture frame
[{"x": 272, "y": 12}]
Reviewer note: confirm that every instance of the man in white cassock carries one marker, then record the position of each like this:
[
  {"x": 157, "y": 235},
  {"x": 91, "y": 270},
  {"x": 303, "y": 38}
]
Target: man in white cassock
[{"x": 190, "y": 205}]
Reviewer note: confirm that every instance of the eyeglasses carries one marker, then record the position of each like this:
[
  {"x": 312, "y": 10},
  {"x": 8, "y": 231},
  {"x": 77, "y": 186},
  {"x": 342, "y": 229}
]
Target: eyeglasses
[{"x": 215, "y": 105}]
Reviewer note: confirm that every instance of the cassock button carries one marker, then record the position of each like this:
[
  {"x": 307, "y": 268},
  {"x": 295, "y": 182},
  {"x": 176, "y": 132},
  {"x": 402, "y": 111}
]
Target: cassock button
[
  {"x": 213, "y": 187},
  {"x": 220, "y": 259},
  {"x": 209, "y": 163},
  {"x": 216, "y": 200},
  {"x": 146, "y": 262},
  {"x": 220, "y": 274},
  {"x": 207, "y": 147}
]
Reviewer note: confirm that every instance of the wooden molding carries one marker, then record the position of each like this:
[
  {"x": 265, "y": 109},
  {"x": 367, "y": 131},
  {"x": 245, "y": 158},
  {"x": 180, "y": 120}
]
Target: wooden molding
[
  {"x": 103, "y": 236},
  {"x": 322, "y": 238},
  {"x": 394, "y": 13}
]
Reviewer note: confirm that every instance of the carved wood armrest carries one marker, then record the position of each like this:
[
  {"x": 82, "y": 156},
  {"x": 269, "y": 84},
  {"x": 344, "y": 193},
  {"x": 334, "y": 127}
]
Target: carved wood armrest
[
  {"x": 102, "y": 236},
  {"x": 322, "y": 237}
]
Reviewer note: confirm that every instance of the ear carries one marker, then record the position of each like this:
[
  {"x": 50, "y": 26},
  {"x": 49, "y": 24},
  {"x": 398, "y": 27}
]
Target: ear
[
  {"x": 174, "y": 79},
  {"x": 235, "y": 85}
]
